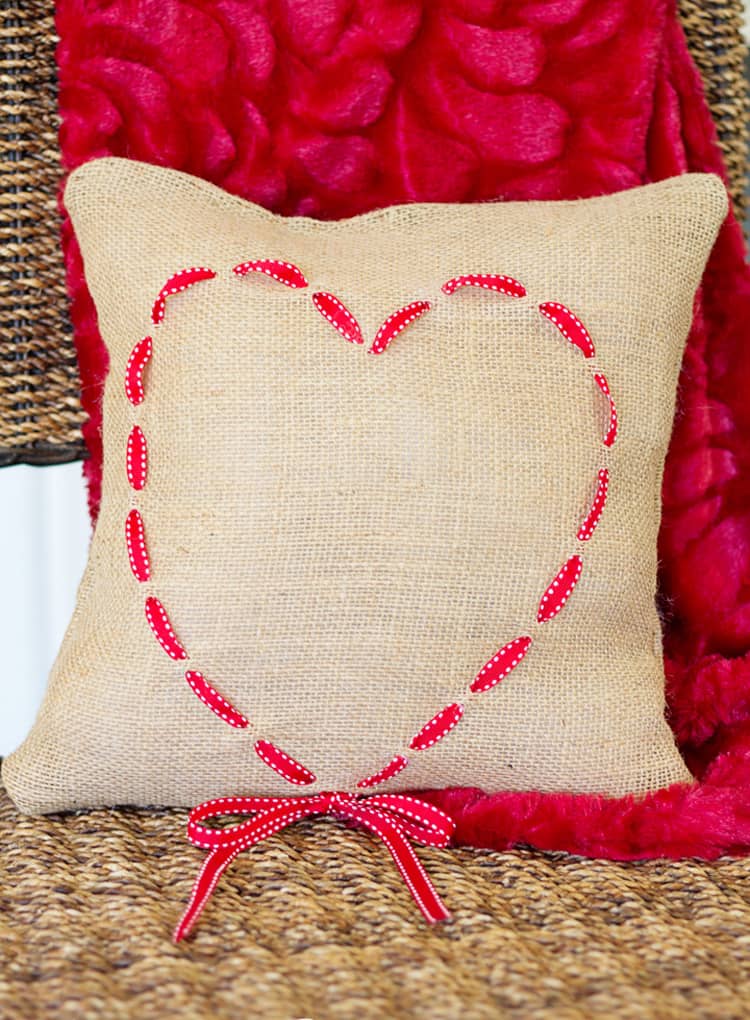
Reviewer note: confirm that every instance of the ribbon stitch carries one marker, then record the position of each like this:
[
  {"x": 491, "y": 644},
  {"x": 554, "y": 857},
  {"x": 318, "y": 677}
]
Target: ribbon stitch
[{"x": 394, "y": 818}]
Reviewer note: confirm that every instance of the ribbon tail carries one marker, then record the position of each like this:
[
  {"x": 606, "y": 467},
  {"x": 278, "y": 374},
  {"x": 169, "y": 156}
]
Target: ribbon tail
[
  {"x": 211, "y": 871},
  {"x": 409, "y": 865}
]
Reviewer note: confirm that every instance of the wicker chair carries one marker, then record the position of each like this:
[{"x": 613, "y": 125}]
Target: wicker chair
[{"x": 315, "y": 922}]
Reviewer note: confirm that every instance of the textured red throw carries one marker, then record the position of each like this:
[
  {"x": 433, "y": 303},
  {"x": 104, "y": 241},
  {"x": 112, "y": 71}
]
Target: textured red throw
[{"x": 331, "y": 107}]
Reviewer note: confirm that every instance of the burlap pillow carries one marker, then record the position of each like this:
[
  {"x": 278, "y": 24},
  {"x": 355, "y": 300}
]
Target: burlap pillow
[{"x": 337, "y": 521}]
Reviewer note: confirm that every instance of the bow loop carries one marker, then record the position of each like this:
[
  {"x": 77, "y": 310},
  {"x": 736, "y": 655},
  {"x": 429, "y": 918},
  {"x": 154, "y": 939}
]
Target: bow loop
[
  {"x": 394, "y": 818},
  {"x": 267, "y": 812},
  {"x": 424, "y": 823}
]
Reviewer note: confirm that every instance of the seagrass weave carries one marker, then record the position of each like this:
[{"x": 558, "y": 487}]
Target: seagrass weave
[
  {"x": 40, "y": 413},
  {"x": 714, "y": 33},
  {"x": 314, "y": 923}
]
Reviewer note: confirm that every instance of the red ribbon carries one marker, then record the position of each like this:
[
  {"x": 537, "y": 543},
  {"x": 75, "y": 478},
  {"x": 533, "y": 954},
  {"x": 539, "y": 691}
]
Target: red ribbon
[{"x": 395, "y": 818}]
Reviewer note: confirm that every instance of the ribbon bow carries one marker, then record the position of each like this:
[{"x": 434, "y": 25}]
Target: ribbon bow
[{"x": 395, "y": 818}]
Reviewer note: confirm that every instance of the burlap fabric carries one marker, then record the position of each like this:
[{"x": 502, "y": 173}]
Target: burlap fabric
[{"x": 343, "y": 540}]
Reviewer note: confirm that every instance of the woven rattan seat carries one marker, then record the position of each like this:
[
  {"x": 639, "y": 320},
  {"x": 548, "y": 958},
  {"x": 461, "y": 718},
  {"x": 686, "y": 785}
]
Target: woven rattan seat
[{"x": 315, "y": 922}]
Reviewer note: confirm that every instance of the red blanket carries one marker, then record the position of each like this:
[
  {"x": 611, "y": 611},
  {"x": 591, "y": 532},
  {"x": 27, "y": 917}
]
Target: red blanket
[{"x": 331, "y": 107}]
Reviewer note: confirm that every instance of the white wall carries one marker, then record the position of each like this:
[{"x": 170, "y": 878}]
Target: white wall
[{"x": 45, "y": 534}]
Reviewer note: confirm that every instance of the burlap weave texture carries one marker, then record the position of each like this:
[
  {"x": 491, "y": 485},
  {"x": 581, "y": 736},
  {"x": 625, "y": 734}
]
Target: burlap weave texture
[{"x": 343, "y": 540}]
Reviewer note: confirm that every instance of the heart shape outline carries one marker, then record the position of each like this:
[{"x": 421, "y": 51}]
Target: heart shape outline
[{"x": 343, "y": 321}]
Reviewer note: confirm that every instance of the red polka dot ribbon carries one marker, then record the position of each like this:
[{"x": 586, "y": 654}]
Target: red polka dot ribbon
[{"x": 394, "y": 818}]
